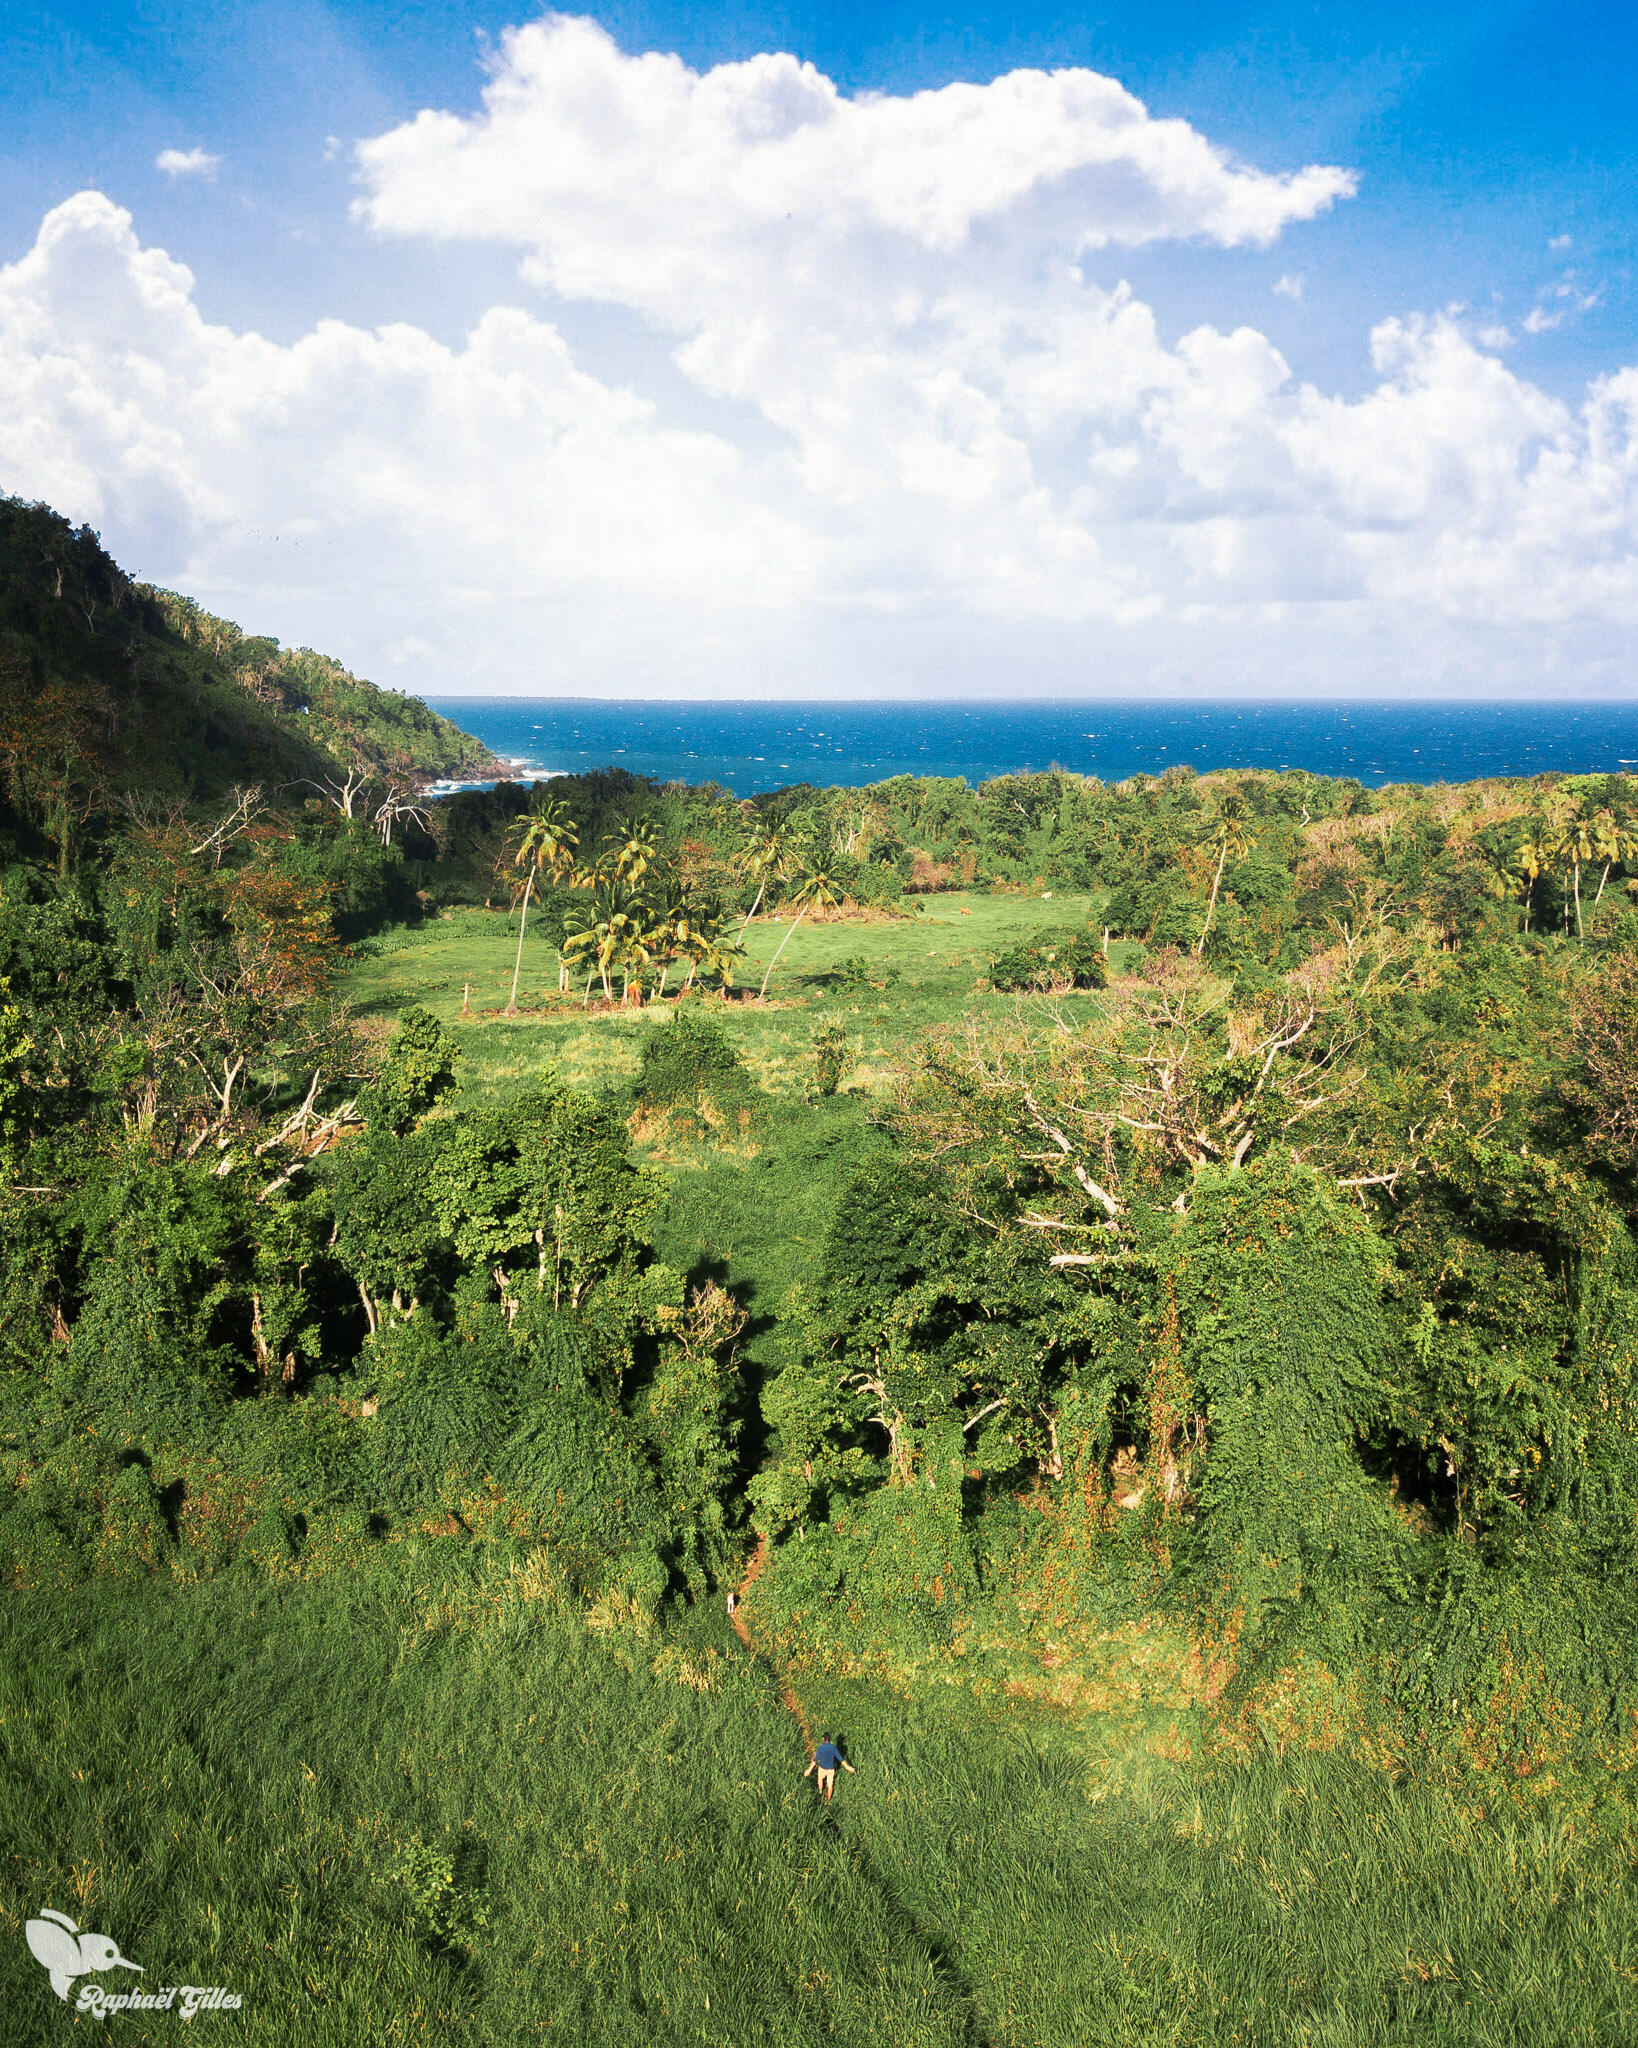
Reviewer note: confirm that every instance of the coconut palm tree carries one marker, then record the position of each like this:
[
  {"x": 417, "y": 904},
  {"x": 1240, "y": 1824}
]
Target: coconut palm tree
[
  {"x": 580, "y": 937},
  {"x": 637, "y": 941},
  {"x": 633, "y": 848},
  {"x": 768, "y": 858},
  {"x": 613, "y": 935},
  {"x": 1611, "y": 842},
  {"x": 706, "y": 944},
  {"x": 817, "y": 890},
  {"x": 1531, "y": 860},
  {"x": 1575, "y": 844},
  {"x": 675, "y": 922},
  {"x": 1230, "y": 835},
  {"x": 546, "y": 840}
]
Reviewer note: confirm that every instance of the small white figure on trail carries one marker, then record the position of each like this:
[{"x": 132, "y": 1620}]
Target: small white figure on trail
[
  {"x": 733, "y": 1602},
  {"x": 825, "y": 1759},
  {"x": 58, "y": 1945}
]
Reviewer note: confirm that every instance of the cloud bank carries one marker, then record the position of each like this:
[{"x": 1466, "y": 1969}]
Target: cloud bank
[{"x": 914, "y": 433}]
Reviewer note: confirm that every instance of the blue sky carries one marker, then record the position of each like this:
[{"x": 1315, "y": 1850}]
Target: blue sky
[
  {"x": 1481, "y": 132},
  {"x": 1492, "y": 151}
]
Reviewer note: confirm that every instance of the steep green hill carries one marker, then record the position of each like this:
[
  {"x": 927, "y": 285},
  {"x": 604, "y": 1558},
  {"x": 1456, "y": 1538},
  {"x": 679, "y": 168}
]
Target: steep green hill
[
  {"x": 112, "y": 694},
  {"x": 354, "y": 720}
]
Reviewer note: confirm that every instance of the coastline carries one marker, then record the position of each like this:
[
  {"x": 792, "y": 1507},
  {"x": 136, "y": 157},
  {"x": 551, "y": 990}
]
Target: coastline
[{"x": 753, "y": 746}]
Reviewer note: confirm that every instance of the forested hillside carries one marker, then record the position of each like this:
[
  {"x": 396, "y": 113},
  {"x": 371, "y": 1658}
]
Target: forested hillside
[
  {"x": 1147, "y": 1273},
  {"x": 114, "y": 696},
  {"x": 356, "y": 722}
]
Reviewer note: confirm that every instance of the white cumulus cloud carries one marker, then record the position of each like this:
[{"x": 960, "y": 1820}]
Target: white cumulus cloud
[
  {"x": 915, "y": 432},
  {"x": 491, "y": 502},
  {"x": 187, "y": 163}
]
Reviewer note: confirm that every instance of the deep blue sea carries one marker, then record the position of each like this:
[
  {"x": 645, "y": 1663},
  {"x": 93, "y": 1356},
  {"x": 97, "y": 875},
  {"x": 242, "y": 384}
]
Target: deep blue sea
[{"x": 751, "y": 747}]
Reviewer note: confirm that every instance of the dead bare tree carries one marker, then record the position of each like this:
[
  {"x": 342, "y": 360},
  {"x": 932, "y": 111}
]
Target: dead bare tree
[
  {"x": 306, "y": 1134},
  {"x": 1174, "y": 1081},
  {"x": 248, "y": 806},
  {"x": 398, "y": 806},
  {"x": 350, "y": 795}
]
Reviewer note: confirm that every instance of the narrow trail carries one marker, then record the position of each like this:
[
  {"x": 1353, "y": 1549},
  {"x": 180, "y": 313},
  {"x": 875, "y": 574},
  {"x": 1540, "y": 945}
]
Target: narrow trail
[
  {"x": 792, "y": 1705},
  {"x": 945, "y": 1966}
]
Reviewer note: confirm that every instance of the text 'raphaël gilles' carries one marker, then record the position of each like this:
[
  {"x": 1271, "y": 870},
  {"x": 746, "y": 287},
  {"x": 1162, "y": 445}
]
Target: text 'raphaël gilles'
[{"x": 187, "y": 1999}]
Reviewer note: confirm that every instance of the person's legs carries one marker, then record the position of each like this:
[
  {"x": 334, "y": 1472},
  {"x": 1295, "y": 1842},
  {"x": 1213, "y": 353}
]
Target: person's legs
[{"x": 827, "y": 1782}]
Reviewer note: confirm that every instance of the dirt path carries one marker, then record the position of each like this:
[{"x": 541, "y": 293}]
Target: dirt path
[{"x": 793, "y": 1706}]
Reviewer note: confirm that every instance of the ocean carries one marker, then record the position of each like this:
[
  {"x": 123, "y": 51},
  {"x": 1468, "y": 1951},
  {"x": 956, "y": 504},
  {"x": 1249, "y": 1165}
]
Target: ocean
[{"x": 752, "y": 747}]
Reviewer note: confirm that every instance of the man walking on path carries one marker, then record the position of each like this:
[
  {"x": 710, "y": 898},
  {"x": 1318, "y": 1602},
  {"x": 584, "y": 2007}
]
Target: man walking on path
[{"x": 825, "y": 1759}]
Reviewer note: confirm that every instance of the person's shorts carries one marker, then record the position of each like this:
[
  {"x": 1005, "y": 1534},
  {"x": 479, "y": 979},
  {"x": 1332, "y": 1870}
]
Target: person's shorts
[{"x": 826, "y": 1780}]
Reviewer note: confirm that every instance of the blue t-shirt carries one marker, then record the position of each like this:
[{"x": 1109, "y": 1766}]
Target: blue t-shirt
[{"x": 827, "y": 1756}]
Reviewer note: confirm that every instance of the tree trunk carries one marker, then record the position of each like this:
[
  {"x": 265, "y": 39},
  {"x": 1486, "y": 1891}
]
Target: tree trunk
[
  {"x": 1211, "y": 907},
  {"x": 1603, "y": 878},
  {"x": 774, "y": 962},
  {"x": 1580, "y": 934},
  {"x": 523, "y": 926},
  {"x": 258, "y": 1336}
]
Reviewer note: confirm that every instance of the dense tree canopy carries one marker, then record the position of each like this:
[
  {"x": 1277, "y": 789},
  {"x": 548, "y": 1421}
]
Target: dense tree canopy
[{"x": 1262, "y": 1241}]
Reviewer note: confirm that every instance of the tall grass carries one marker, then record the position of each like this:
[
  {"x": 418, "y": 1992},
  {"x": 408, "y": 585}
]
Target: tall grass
[
  {"x": 1304, "y": 1899},
  {"x": 388, "y": 1815},
  {"x": 381, "y": 1825}
]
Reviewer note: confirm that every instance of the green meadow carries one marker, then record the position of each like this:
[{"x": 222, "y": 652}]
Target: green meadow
[
  {"x": 429, "y": 1807},
  {"x": 918, "y": 970}
]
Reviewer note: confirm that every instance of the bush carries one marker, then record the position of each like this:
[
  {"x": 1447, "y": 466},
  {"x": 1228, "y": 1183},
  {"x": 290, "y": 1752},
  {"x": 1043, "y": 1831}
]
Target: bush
[
  {"x": 677, "y": 1060},
  {"x": 418, "y": 1069},
  {"x": 856, "y": 974},
  {"x": 831, "y": 1054},
  {"x": 448, "y": 1415},
  {"x": 1051, "y": 960}
]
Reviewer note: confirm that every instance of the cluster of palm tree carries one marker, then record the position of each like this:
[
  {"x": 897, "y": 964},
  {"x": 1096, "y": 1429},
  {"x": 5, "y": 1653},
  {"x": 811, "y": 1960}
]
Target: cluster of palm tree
[
  {"x": 1564, "y": 840},
  {"x": 633, "y": 913},
  {"x": 773, "y": 857}
]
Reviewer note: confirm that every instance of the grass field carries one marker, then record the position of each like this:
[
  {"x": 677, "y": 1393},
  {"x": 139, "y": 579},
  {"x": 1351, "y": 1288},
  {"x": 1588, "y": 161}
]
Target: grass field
[
  {"x": 428, "y": 1801},
  {"x": 440, "y": 1812},
  {"x": 934, "y": 957}
]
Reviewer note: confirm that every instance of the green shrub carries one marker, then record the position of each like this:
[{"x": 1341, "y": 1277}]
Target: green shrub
[
  {"x": 856, "y": 974},
  {"x": 418, "y": 1069},
  {"x": 831, "y": 1054},
  {"x": 449, "y": 1413},
  {"x": 676, "y": 1061},
  {"x": 1051, "y": 960}
]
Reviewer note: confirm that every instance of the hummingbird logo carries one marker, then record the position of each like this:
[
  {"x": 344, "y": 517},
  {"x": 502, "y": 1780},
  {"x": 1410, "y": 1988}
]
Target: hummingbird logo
[{"x": 58, "y": 1946}]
